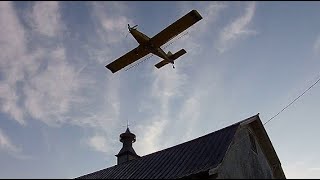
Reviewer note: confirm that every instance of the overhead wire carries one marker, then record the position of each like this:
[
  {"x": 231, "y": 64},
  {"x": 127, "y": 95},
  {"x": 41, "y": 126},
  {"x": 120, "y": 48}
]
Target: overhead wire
[{"x": 293, "y": 100}]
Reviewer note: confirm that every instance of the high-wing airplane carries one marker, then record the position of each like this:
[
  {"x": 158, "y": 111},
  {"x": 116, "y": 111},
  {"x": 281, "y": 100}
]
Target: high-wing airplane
[{"x": 153, "y": 45}]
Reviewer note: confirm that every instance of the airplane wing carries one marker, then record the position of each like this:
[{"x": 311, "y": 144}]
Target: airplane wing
[
  {"x": 127, "y": 59},
  {"x": 176, "y": 28}
]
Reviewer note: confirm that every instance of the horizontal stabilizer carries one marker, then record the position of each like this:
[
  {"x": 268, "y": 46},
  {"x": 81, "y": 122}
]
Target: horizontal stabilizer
[
  {"x": 172, "y": 57},
  {"x": 161, "y": 63},
  {"x": 178, "y": 54}
]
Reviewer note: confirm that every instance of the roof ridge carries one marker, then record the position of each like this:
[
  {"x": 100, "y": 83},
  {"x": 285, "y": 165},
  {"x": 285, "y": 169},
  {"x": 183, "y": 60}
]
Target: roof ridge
[
  {"x": 234, "y": 124},
  {"x": 166, "y": 149},
  {"x": 200, "y": 137},
  {"x": 216, "y": 134},
  {"x": 192, "y": 140}
]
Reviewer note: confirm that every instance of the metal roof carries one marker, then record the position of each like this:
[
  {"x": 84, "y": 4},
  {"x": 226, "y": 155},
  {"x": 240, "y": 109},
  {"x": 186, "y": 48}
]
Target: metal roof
[{"x": 197, "y": 155}]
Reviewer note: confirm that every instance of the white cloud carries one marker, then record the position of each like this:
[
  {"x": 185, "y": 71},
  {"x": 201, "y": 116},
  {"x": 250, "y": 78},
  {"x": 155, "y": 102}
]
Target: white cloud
[
  {"x": 170, "y": 124},
  {"x": 189, "y": 114},
  {"x": 315, "y": 169},
  {"x": 114, "y": 24},
  {"x": 103, "y": 112},
  {"x": 46, "y": 18},
  {"x": 210, "y": 14},
  {"x": 46, "y": 85},
  {"x": 12, "y": 45},
  {"x": 301, "y": 170},
  {"x": 169, "y": 85},
  {"x": 12, "y": 34},
  {"x": 237, "y": 29},
  {"x": 9, "y": 104},
  {"x": 150, "y": 140},
  {"x": 6, "y": 144},
  {"x": 316, "y": 46},
  {"x": 98, "y": 143},
  {"x": 41, "y": 83},
  {"x": 50, "y": 94},
  {"x": 111, "y": 21},
  {"x": 166, "y": 85},
  {"x": 210, "y": 11}
]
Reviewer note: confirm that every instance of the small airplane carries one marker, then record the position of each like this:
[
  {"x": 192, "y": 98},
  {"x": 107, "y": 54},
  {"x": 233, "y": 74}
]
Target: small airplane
[{"x": 153, "y": 45}]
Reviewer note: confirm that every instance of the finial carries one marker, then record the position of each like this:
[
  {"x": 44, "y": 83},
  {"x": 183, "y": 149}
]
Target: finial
[{"x": 127, "y": 123}]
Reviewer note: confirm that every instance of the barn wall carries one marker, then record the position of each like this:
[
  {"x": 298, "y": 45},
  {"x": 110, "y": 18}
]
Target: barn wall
[{"x": 241, "y": 161}]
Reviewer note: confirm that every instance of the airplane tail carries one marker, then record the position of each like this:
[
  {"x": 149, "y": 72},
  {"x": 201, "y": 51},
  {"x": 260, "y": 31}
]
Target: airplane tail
[{"x": 172, "y": 57}]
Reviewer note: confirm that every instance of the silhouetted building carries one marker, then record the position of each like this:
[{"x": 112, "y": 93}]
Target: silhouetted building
[
  {"x": 241, "y": 150},
  {"x": 127, "y": 152}
]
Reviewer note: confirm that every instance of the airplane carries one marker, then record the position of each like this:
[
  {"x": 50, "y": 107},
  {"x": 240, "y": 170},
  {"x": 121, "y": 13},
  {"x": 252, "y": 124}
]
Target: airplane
[{"x": 153, "y": 45}]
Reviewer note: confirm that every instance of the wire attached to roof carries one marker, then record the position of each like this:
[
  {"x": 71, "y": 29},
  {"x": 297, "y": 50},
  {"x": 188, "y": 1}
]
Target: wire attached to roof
[{"x": 293, "y": 101}]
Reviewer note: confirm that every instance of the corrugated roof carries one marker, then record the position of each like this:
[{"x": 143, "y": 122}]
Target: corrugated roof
[{"x": 188, "y": 158}]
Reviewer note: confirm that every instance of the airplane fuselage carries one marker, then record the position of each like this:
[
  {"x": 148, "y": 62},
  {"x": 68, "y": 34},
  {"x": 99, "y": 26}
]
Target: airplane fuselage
[
  {"x": 153, "y": 44},
  {"x": 145, "y": 43}
]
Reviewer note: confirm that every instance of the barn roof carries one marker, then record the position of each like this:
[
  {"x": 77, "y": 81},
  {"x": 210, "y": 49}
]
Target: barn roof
[{"x": 192, "y": 157}]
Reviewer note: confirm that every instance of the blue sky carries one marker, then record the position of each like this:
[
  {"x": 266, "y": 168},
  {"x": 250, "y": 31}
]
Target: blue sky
[{"x": 62, "y": 111}]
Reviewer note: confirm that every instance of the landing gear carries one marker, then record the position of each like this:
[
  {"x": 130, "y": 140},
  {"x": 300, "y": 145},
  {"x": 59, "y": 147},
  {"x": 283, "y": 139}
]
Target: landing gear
[{"x": 173, "y": 66}]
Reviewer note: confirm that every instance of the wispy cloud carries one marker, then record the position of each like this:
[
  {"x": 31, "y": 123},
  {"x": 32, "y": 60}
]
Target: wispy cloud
[
  {"x": 237, "y": 29},
  {"x": 98, "y": 143},
  {"x": 41, "y": 83},
  {"x": 152, "y": 133},
  {"x": 12, "y": 45},
  {"x": 210, "y": 11},
  {"x": 316, "y": 46},
  {"x": 301, "y": 169},
  {"x": 315, "y": 169},
  {"x": 44, "y": 84},
  {"x": 189, "y": 114},
  {"x": 170, "y": 86},
  {"x": 9, "y": 103},
  {"x": 111, "y": 20},
  {"x": 165, "y": 87},
  {"x": 46, "y": 18},
  {"x": 211, "y": 14},
  {"x": 50, "y": 93},
  {"x": 6, "y": 144}
]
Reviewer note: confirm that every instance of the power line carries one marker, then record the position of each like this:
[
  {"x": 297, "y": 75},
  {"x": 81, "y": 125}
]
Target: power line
[{"x": 293, "y": 101}]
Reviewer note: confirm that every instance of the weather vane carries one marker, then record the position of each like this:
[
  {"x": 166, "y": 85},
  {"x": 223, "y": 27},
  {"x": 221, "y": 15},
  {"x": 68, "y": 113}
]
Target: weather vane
[{"x": 127, "y": 124}]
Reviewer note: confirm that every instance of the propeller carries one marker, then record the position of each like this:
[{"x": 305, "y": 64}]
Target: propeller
[
  {"x": 132, "y": 27},
  {"x": 127, "y": 34},
  {"x": 129, "y": 28}
]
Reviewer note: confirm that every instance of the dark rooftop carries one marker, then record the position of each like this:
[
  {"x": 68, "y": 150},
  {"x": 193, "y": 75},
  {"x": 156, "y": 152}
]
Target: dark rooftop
[{"x": 195, "y": 156}]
